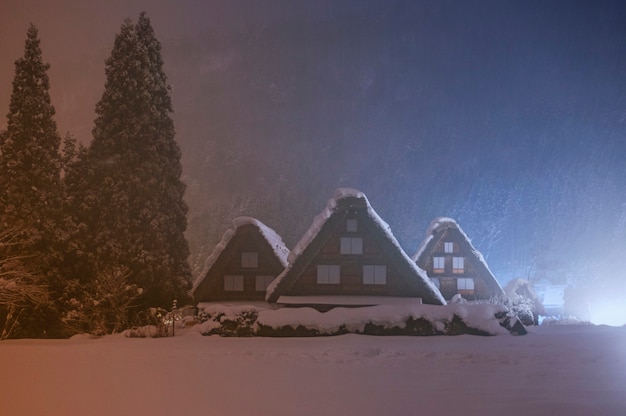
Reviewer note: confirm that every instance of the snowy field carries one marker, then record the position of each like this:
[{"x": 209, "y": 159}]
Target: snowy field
[{"x": 554, "y": 370}]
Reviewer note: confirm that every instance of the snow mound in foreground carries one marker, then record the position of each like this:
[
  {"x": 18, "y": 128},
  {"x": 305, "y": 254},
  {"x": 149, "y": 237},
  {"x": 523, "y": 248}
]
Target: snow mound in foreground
[{"x": 453, "y": 319}]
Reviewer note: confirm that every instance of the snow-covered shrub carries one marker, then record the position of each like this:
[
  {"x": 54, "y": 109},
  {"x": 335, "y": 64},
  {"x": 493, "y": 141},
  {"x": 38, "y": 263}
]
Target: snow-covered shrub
[
  {"x": 146, "y": 331},
  {"x": 22, "y": 293},
  {"x": 523, "y": 301},
  {"x": 228, "y": 321},
  {"x": 18, "y": 294},
  {"x": 103, "y": 306},
  {"x": 411, "y": 326},
  {"x": 153, "y": 322},
  {"x": 421, "y": 320}
]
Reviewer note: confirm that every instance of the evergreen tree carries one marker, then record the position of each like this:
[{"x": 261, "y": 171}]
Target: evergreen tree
[
  {"x": 30, "y": 185},
  {"x": 133, "y": 197}
]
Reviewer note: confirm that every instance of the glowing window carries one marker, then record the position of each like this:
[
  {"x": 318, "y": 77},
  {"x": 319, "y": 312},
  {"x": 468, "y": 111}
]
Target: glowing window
[
  {"x": 328, "y": 274},
  {"x": 262, "y": 282},
  {"x": 465, "y": 283},
  {"x": 458, "y": 264},
  {"x": 351, "y": 245},
  {"x": 374, "y": 275},
  {"x": 448, "y": 247},
  {"x": 437, "y": 282},
  {"x": 233, "y": 283},
  {"x": 249, "y": 259},
  {"x": 351, "y": 225},
  {"x": 438, "y": 264}
]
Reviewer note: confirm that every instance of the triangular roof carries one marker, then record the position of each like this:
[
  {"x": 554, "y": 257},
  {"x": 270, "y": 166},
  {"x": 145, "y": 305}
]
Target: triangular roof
[
  {"x": 321, "y": 230},
  {"x": 435, "y": 233},
  {"x": 274, "y": 241}
]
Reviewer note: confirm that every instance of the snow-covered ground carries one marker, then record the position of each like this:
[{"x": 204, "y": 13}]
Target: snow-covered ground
[{"x": 554, "y": 370}]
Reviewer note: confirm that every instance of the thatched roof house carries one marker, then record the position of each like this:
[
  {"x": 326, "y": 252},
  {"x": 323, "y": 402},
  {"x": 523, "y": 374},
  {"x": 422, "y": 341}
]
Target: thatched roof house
[
  {"x": 349, "y": 257},
  {"x": 453, "y": 264},
  {"x": 243, "y": 264}
]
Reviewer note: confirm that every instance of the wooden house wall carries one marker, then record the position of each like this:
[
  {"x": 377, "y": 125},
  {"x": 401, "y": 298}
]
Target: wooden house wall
[
  {"x": 448, "y": 279},
  {"x": 247, "y": 239},
  {"x": 351, "y": 273}
]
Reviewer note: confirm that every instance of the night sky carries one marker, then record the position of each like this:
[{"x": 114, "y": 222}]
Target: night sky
[{"x": 509, "y": 116}]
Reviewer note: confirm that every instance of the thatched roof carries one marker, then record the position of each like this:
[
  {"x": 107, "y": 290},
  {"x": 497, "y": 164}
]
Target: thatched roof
[
  {"x": 269, "y": 235},
  {"x": 435, "y": 233},
  {"x": 323, "y": 227}
]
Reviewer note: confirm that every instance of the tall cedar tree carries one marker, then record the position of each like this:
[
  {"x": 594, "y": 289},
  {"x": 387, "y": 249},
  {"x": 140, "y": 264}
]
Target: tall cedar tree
[
  {"x": 30, "y": 184},
  {"x": 135, "y": 211}
]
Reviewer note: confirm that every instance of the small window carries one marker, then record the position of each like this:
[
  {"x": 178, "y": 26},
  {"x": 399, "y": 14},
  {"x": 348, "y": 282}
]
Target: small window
[
  {"x": 262, "y": 282},
  {"x": 437, "y": 282},
  {"x": 448, "y": 247},
  {"x": 351, "y": 225},
  {"x": 438, "y": 264},
  {"x": 233, "y": 283},
  {"x": 374, "y": 275},
  {"x": 351, "y": 245},
  {"x": 465, "y": 283},
  {"x": 249, "y": 259},
  {"x": 458, "y": 264},
  {"x": 328, "y": 274}
]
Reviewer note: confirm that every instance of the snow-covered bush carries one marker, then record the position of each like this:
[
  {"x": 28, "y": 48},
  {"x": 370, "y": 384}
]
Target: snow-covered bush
[
  {"x": 146, "y": 331},
  {"x": 153, "y": 322},
  {"x": 21, "y": 292},
  {"x": 228, "y": 322},
  {"x": 521, "y": 301},
  {"x": 476, "y": 319},
  {"x": 102, "y": 307}
]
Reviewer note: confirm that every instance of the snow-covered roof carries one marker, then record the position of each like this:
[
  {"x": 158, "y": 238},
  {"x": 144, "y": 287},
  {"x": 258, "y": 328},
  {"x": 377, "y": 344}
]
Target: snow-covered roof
[
  {"x": 436, "y": 228},
  {"x": 440, "y": 224},
  {"x": 351, "y": 197},
  {"x": 322, "y": 217},
  {"x": 273, "y": 239},
  {"x": 436, "y": 225}
]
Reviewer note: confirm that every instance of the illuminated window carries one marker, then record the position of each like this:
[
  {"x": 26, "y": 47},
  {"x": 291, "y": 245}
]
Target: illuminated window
[
  {"x": 249, "y": 259},
  {"x": 448, "y": 247},
  {"x": 233, "y": 283},
  {"x": 458, "y": 264},
  {"x": 465, "y": 283},
  {"x": 438, "y": 264},
  {"x": 437, "y": 282},
  {"x": 374, "y": 275},
  {"x": 262, "y": 282},
  {"x": 351, "y": 225},
  {"x": 328, "y": 274},
  {"x": 351, "y": 245}
]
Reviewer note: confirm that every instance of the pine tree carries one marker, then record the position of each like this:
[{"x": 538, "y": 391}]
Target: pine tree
[
  {"x": 30, "y": 177},
  {"x": 30, "y": 186},
  {"x": 134, "y": 196}
]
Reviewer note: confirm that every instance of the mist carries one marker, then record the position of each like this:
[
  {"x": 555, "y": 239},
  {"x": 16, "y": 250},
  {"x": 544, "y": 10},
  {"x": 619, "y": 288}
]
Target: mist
[{"x": 507, "y": 116}]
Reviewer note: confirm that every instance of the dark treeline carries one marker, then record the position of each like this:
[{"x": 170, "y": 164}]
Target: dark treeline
[{"x": 91, "y": 236}]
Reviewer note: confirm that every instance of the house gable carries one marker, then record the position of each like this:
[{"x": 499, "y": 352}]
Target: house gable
[
  {"x": 350, "y": 251},
  {"x": 247, "y": 259},
  {"x": 452, "y": 262}
]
